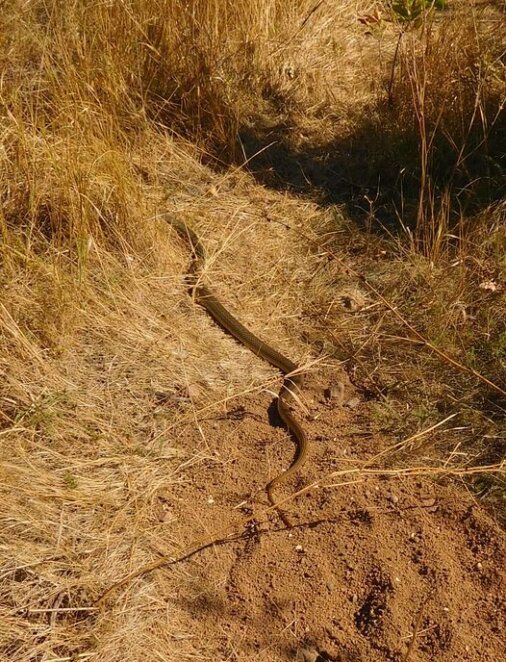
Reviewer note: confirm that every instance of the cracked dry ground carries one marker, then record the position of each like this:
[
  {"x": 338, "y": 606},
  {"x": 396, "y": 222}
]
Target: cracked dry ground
[{"x": 369, "y": 559}]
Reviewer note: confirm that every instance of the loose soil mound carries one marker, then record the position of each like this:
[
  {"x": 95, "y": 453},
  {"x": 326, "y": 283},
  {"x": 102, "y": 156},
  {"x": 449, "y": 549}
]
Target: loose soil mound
[{"x": 368, "y": 560}]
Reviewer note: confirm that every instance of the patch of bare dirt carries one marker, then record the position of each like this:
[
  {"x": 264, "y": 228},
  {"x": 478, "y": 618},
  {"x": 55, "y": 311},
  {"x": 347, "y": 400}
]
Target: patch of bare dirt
[{"x": 369, "y": 560}]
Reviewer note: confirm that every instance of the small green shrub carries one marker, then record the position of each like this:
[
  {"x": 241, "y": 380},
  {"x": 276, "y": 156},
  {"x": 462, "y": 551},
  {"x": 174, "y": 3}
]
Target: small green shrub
[{"x": 409, "y": 10}]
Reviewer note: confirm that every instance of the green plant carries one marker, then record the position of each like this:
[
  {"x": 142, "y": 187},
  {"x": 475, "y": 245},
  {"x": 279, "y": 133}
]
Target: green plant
[
  {"x": 406, "y": 12},
  {"x": 409, "y": 10},
  {"x": 70, "y": 481},
  {"x": 498, "y": 347}
]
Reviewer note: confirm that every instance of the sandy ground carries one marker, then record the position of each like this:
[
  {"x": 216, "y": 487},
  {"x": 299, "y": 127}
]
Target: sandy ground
[{"x": 369, "y": 558}]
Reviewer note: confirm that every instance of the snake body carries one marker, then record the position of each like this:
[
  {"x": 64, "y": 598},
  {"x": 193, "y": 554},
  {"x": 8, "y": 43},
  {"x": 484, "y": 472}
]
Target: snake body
[{"x": 292, "y": 380}]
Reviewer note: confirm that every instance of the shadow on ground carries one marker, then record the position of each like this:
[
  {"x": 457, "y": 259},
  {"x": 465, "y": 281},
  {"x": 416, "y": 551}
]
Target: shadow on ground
[{"x": 374, "y": 170}]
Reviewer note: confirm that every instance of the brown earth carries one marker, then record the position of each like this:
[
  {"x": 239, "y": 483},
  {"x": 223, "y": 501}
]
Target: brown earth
[{"x": 368, "y": 560}]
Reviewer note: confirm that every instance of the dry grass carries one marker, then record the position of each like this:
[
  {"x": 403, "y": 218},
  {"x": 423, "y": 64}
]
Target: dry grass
[
  {"x": 450, "y": 89},
  {"x": 101, "y": 367},
  {"x": 112, "y": 113},
  {"x": 404, "y": 325}
]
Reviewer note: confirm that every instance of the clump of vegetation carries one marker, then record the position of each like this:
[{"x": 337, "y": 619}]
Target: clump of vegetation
[{"x": 409, "y": 10}]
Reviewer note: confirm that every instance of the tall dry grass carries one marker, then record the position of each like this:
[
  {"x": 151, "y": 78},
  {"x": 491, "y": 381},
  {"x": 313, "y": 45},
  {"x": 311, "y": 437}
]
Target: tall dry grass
[
  {"x": 85, "y": 82},
  {"x": 451, "y": 90},
  {"x": 443, "y": 120}
]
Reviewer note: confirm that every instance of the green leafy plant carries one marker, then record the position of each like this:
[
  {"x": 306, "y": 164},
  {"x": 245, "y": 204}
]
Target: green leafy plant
[
  {"x": 406, "y": 12},
  {"x": 409, "y": 10}
]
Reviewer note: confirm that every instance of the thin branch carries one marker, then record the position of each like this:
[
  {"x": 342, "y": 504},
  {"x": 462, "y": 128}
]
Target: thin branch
[{"x": 416, "y": 630}]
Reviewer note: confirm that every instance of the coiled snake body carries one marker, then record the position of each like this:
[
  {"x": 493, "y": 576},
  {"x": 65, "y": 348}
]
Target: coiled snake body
[{"x": 205, "y": 297}]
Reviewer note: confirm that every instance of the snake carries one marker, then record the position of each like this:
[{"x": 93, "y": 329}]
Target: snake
[{"x": 293, "y": 379}]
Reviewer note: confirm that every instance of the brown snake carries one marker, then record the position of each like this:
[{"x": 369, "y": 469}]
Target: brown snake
[{"x": 205, "y": 297}]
